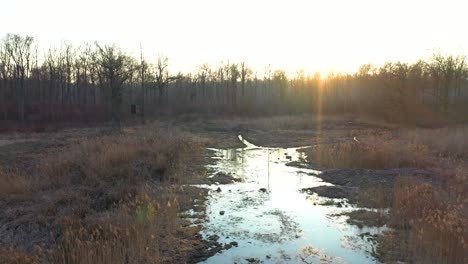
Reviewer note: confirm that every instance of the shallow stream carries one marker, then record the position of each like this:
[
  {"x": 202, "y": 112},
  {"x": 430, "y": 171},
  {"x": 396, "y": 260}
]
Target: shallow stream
[{"x": 271, "y": 220}]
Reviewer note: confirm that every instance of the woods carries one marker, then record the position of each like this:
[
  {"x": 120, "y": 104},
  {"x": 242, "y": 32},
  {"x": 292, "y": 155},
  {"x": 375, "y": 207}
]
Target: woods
[{"x": 99, "y": 83}]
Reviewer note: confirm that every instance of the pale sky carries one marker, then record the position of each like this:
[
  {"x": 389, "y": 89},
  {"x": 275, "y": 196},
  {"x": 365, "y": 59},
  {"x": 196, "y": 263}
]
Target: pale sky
[{"x": 326, "y": 36}]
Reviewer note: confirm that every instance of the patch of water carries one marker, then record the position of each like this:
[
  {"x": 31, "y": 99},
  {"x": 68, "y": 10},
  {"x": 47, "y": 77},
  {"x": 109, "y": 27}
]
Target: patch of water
[{"x": 272, "y": 221}]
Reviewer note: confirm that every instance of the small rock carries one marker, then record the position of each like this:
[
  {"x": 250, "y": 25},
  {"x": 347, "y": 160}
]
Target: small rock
[
  {"x": 234, "y": 243},
  {"x": 262, "y": 190},
  {"x": 213, "y": 237},
  {"x": 221, "y": 212},
  {"x": 288, "y": 157},
  {"x": 227, "y": 246},
  {"x": 219, "y": 189}
]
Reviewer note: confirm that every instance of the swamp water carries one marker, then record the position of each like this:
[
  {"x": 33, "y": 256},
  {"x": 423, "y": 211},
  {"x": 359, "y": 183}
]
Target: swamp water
[{"x": 271, "y": 220}]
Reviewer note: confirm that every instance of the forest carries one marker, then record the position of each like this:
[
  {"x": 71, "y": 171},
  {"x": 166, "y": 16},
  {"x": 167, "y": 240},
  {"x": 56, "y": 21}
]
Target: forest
[{"x": 95, "y": 83}]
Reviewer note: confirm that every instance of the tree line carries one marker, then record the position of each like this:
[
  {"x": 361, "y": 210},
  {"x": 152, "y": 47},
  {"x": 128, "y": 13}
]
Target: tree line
[{"x": 97, "y": 83}]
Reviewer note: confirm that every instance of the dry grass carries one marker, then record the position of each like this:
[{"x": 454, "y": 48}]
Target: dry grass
[
  {"x": 107, "y": 199},
  {"x": 126, "y": 157},
  {"x": 12, "y": 182},
  {"x": 370, "y": 152},
  {"x": 136, "y": 232},
  {"x": 302, "y": 122},
  {"x": 283, "y": 122},
  {"x": 449, "y": 141},
  {"x": 431, "y": 221},
  {"x": 14, "y": 256}
]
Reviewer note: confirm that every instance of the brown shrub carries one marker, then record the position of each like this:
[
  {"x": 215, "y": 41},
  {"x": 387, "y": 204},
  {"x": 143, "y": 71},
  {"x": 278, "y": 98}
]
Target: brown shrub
[
  {"x": 435, "y": 220},
  {"x": 411, "y": 200}
]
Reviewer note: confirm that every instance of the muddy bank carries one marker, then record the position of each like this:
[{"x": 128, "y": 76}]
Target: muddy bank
[
  {"x": 365, "y": 186},
  {"x": 368, "y": 218},
  {"x": 218, "y": 178}
]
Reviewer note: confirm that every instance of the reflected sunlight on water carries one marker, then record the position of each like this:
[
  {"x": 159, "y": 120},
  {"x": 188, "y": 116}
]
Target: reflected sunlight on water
[{"x": 270, "y": 219}]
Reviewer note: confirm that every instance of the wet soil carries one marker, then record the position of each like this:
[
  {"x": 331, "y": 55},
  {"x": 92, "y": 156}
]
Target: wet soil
[
  {"x": 218, "y": 178},
  {"x": 363, "y": 218},
  {"x": 353, "y": 183}
]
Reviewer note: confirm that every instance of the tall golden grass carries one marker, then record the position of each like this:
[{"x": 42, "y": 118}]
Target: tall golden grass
[
  {"x": 432, "y": 222},
  {"x": 430, "y": 219},
  {"x": 140, "y": 232},
  {"x": 370, "y": 152},
  {"x": 114, "y": 197},
  {"x": 448, "y": 141}
]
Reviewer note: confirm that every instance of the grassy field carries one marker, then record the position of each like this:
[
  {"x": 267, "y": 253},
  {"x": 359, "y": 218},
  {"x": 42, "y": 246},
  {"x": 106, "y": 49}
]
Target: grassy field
[
  {"x": 96, "y": 196},
  {"x": 112, "y": 198}
]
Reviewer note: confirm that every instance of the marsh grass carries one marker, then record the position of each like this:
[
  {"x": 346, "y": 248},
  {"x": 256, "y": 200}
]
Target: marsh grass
[
  {"x": 430, "y": 218},
  {"x": 123, "y": 157},
  {"x": 108, "y": 199},
  {"x": 370, "y": 152},
  {"x": 12, "y": 182},
  {"x": 282, "y": 122},
  {"x": 142, "y": 231},
  {"x": 15, "y": 256},
  {"x": 448, "y": 141},
  {"x": 432, "y": 221}
]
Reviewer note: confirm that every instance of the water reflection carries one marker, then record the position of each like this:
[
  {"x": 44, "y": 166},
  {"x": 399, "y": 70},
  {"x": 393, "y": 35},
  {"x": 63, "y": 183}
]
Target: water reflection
[{"x": 270, "y": 219}]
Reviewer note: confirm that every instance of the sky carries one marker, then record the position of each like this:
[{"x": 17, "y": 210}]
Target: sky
[{"x": 328, "y": 36}]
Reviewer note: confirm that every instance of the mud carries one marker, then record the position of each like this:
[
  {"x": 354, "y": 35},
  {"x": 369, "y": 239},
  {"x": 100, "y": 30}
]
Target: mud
[
  {"x": 354, "y": 184},
  {"x": 331, "y": 191},
  {"x": 218, "y": 178},
  {"x": 362, "y": 218}
]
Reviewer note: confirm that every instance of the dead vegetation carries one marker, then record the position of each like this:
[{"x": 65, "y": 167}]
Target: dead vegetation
[
  {"x": 447, "y": 141},
  {"x": 429, "y": 217},
  {"x": 116, "y": 198},
  {"x": 431, "y": 221},
  {"x": 107, "y": 199},
  {"x": 382, "y": 151}
]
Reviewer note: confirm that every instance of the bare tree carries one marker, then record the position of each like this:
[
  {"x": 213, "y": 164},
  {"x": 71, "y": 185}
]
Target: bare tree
[
  {"x": 162, "y": 75},
  {"x": 143, "y": 70},
  {"x": 234, "y": 74},
  {"x": 19, "y": 50},
  {"x": 245, "y": 73},
  {"x": 445, "y": 72},
  {"x": 4, "y": 74},
  {"x": 117, "y": 68}
]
